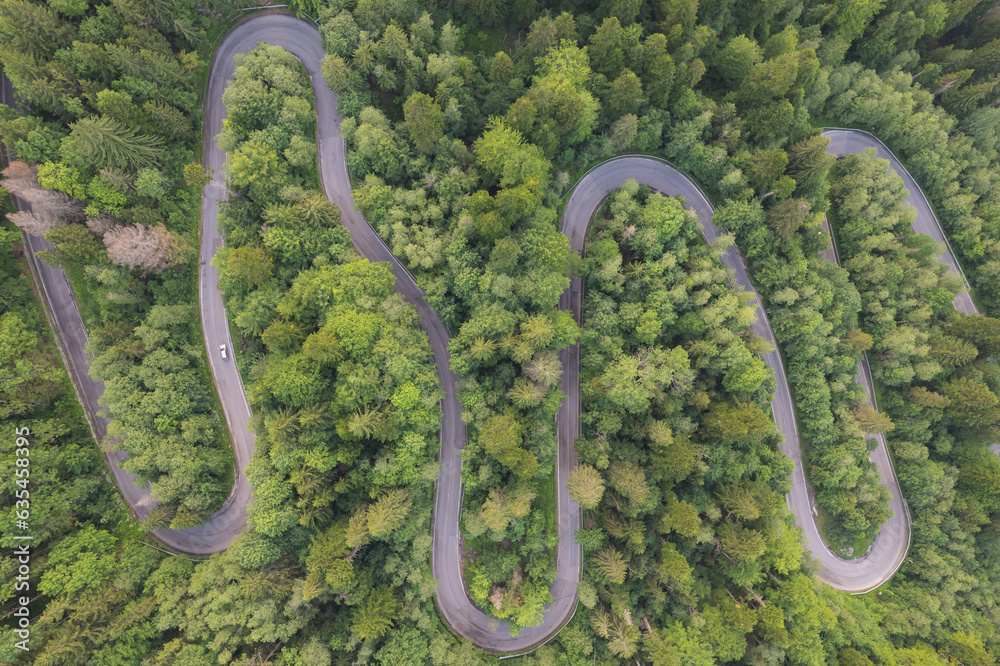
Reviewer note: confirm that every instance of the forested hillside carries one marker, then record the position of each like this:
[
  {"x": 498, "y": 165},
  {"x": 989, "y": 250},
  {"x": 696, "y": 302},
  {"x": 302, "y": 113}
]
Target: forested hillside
[
  {"x": 111, "y": 100},
  {"x": 466, "y": 124}
]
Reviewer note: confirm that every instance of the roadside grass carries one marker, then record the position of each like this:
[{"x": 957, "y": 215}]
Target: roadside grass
[
  {"x": 548, "y": 492},
  {"x": 224, "y": 439}
]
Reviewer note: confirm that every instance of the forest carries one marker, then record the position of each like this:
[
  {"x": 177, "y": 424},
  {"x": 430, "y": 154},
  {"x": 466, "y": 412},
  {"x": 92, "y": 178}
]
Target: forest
[{"x": 467, "y": 124}]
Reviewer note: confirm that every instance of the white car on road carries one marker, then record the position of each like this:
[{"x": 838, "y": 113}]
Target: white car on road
[{"x": 222, "y": 350}]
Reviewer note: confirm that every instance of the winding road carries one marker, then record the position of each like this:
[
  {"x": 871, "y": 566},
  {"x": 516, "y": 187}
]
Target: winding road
[
  {"x": 853, "y": 575},
  {"x": 845, "y": 142},
  {"x": 303, "y": 40},
  {"x": 71, "y": 336}
]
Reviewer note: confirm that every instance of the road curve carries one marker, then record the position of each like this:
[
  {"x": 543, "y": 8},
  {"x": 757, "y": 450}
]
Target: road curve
[
  {"x": 302, "y": 40},
  {"x": 845, "y": 142},
  {"x": 893, "y": 540},
  {"x": 592, "y": 189},
  {"x": 71, "y": 336}
]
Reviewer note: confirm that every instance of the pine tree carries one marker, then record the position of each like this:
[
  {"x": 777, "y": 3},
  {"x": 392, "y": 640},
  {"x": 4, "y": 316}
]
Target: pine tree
[
  {"x": 624, "y": 637},
  {"x": 586, "y": 486},
  {"x": 872, "y": 421},
  {"x": 808, "y": 162},
  {"x": 158, "y": 518},
  {"x": 741, "y": 543},
  {"x": 983, "y": 332},
  {"x": 364, "y": 423},
  {"x": 389, "y": 512},
  {"x": 337, "y": 73},
  {"x": 35, "y": 29},
  {"x": 952, "y": 351},
  {"x": 611, "y": 564},
  {"x": 185, "y": 518},
  {"x": 357, "y": 535},
  {"x": 623, "y": 132},
  {"x": 630, "y": 480},
  {"x": 972, "y": 403},
  {"x": 738, "y": 499},
  {"x": 482, "y": 349},
  {"x": 525, "y": 393},
  {"x": 282, "y": 428},
  {"x": 373, "y": 618},
  {"x": 681, "y": 517},
  {"x": 537, "y": 330},
  {"x": 860, "y": 341},
  {"x": 674, "y": 568},
  {"x": 786, "y": 217},
  {"x": 659, "y": 647},
  {"x": 117, "y": 179},
  {"x": 107, "y": 143},
  {"x": 927, "y": 398},
  {"x": 545, "y": 368},
  {"x": 425, "y": 120},
  {"x": 319, "y": 211},
  {"x": 501, "y": 69}
]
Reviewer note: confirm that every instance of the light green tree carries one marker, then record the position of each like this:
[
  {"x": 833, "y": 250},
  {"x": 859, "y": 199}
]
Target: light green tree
[{"x": 425, "y": 120}]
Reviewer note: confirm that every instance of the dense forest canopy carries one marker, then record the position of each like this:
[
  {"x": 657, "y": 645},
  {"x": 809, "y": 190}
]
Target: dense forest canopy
[{"x": 466, "y": 123}]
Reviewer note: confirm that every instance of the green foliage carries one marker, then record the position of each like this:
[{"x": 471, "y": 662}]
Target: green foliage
[
  {"x": 737, "y": 59},
  {"x": 586, "y": 486},
  {"x": 425, "y": 121},
  {"x": 29, "y": 378},
  {"x": 460, "y": 154},
  {"x": 374, "y": 617},
  {"x": 80, "y": 562},
  {"x": 257, "y": 169},
  {"x": 106, "y": 143}
]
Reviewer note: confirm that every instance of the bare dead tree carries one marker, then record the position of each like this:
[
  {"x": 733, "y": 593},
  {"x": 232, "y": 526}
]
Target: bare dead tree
[
  {"x": 55, "y": 203},
  {"x": 18, "y": 186},
  {"x": 19, "y": 178},
  {"x": 102, "y": 225},
  {"x": 141, "y": 246},
  {"x": 50, "y": 209},
  {"x": 35, "y": 224},
  {"x": 20, "y": 170}
]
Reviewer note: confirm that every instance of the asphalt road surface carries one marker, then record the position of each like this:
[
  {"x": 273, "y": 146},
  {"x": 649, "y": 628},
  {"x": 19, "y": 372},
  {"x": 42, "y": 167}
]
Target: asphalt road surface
[
  {"x": 64, "y": 315},
  {"x": 894, "y": 538},
  {"x": 844, "y": 142},
  {"x": 847, "y": 575},
  {"x": 302, "y": 39}
]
